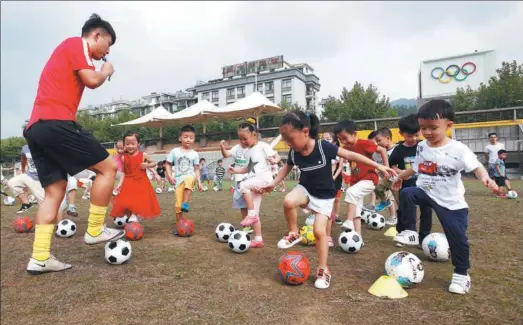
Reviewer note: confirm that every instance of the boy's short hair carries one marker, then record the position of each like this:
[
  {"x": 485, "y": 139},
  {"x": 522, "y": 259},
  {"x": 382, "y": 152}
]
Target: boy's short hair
[
  {"x": 95, "y": 21},
  {"x": 219, "y": 161},
  {"x": 409, "y": 124},
  {"x": 436, "y": 109},
  {"x": 492, "y": 133},
  {"x": 347, "y": 125},
  {"x": 502, "y": 151},
  {"x": 384, "y": 132},
  {"x": 372, "y": 135},
  {"x": 187, "y": 128}
]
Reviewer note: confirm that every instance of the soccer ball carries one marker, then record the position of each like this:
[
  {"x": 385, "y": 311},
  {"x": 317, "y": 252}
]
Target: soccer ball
[
  {"x": 365, "y": 214},
  {"x": 205, "y": 188},
  {"x": 65, "y": 228},
  {"x": 23, "y": 224},
  {"x": 185, "y": 227},
  {"x": 115, "y": 193},
  {"x": 171, "y": 190},
  {"x": 158, "y": 190},
  {"x": 133, "y": 231},
  {"x": 350, "y": 241},
  {"x": 436, "y": 247},
  {"x": 215, "y": 189},
  {"x": 307, "y": 235},
  {"x": 239, "y": 241},
  {"x": 224, "y": 231},
  {"x": 32, "y": 199},
  {"x": 376, "y": 221},
  {"x": 512, "y": 194},
  {"x": 9, "y": 200},
  {"x": 117, "y": 252},
  {"x": 310, "y": 220},
  {"x": 294, "y": 268},
  {"x": 120, "y": 222},
  {"x": 405, "y": 267}
]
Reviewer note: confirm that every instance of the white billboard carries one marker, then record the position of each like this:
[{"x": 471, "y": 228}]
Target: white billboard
[{"x": 441, "y": 77}]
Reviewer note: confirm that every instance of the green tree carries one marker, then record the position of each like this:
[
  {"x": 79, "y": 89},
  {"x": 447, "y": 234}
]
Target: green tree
[
  {"x": 503, "y": 90},
  {"x": 358, "y": 104},
  {"x": 404, "y": 110},
  {"x": 10, "y": 149}
]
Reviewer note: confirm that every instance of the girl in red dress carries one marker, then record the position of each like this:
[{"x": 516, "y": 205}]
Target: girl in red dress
[{"x": 136, "y": 192}]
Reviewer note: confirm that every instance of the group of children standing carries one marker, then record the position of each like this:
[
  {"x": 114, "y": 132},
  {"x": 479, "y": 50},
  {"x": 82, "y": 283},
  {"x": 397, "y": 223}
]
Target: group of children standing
[{"x": 422, "y": 173}]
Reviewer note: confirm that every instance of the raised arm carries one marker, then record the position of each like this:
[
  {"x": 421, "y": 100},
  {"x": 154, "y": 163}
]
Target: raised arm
[{"x": 353, "y": 156}]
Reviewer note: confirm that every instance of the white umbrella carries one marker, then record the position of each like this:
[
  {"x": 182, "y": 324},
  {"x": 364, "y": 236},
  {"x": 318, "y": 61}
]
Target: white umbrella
[{"x": 255, "y": 104}]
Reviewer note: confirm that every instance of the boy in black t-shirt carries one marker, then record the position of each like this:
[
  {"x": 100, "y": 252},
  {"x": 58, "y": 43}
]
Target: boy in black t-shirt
[{"x": 401, "y": 159}]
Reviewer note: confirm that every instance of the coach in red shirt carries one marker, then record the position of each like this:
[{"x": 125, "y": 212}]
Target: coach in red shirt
[{"x": 59, "y": 146}]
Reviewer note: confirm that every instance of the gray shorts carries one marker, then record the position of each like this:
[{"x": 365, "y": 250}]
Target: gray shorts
[{"x": 238, "y": 202}]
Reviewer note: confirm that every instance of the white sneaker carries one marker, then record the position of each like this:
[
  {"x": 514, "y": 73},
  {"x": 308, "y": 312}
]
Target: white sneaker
[
  {"x": 460, "y": 284},
  {"x": 407, "y": 237},
  {"x": 49, "y": 265},
  {"x": 398, "y": 244},
  {"x": 107, "y": 234},
  {"x": 290, "y": 240},
  {"x": 323, "y": 279},
  {"x": 133, "y": 218},
  {"x": 391, "y": 221},
  {"x": 347, "y": 225}
]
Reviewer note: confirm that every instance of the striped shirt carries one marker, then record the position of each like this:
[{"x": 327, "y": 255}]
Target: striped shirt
[{"x": 220, "y": 172}]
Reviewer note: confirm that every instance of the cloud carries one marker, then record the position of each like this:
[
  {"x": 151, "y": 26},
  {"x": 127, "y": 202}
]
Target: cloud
[{"x": 168, "y": 46}]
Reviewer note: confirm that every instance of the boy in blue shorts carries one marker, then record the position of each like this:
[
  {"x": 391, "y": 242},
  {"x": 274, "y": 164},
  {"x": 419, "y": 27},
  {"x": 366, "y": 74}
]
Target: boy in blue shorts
[{"x": 439, "y": 162}]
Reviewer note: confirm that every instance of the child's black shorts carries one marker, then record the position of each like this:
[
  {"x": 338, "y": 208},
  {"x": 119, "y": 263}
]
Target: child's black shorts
[
  {"x": 59, "y": 148},
  {"x": 500, "y": 181}
]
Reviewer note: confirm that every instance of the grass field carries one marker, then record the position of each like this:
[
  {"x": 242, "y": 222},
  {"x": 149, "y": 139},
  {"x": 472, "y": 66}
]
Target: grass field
[{"x": 197, "y": 280}]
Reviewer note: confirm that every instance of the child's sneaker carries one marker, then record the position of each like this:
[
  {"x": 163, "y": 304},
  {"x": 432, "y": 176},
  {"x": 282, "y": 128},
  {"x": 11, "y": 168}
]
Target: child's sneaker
[
  {"x": 383, "y": 205},
  {"x": 337, "y": 220},
  {"x": 398, "y": 244},
  {"x": 290, "y": 240},
  {"x": 107, "y": 234},
  {"x": 407, "y": 237},
  {"x": 257, "y": 244},
  {"x": 369, "y": 207},
  {"x": 331, "y": 242},
  {"x": 24, "y": 208},
  {"x": 249, "y": 220},
  {"x": 72, "y": 212},
  {"x": 49, "y": 265},
  {"x": 248, "y": 230},
  {"x": 460, "y": 284},
  {"x": 323, "y": 279},
  {"x": 185, "y": 207},
  {"x": 391, "y": 221},
  {"x": 347, "y": 225}
]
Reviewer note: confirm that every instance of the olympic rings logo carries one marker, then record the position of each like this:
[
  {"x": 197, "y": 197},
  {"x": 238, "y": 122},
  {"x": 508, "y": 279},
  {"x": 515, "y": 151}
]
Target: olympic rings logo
[{"x": 453, "y": 71}]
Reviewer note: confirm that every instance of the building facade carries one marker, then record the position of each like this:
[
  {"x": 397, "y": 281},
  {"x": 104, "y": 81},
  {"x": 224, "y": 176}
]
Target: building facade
[{"x": 279, "y": 81}]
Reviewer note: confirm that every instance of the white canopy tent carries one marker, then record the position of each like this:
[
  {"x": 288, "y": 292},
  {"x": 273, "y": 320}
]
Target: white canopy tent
[
  {"x": 197, "y": 113},
  {"x": 149, "y": 119},
  {"x": 253, "y": 105}
]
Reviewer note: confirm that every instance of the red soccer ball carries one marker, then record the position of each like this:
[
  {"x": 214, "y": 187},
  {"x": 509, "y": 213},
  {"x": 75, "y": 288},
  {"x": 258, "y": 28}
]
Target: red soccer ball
[
  {"x": 133, "y": 231},
  {"x": 294, "y": 268},
  {"x": 23, "y": 224},
  {"x": 185, "y": 228}
]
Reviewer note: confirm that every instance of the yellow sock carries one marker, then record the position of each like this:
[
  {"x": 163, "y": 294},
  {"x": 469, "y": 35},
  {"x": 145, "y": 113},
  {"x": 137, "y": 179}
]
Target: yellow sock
[
  {"x": 96, "y": 219},
  {"x": 42, "y": 243}
]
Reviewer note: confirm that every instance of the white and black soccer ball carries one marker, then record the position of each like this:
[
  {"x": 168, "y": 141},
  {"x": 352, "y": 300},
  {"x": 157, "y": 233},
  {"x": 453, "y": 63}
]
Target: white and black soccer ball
[
  {"x": 350, "y": 241},
  {"x": 120, "y": 222},
  {"x": 224, "y": 231},
  {"x": 376, "y": 221},
  {"x": 205, "y": 188},
  {"x": 158, "y": 190},
  {"x": 239, "y": 241},
  {"x": 215, "y": 188},
  {"x": 171, "y": 190},
  {"x": 117, "y": 252},
  {"x": 32, "y": 199},
  {"x": 405, "y": 267},
  {"x": 512, "y": 194},
  {"x": 365, "y": 215},
  {"x": 65, "y": 228},
  {"x": 436, "y": 247}
]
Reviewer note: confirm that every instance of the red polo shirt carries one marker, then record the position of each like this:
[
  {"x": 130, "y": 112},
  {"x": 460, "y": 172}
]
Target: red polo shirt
[
  {"x": 60, "y": 88},
  {"x": 361, "y": 171}
]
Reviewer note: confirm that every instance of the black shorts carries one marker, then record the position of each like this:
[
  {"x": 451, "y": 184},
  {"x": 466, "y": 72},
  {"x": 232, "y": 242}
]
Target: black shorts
[
  {"x": 338, "y": 183},
  {"x": 59, "y": 148},
  {"x": 500, "y": 181}
]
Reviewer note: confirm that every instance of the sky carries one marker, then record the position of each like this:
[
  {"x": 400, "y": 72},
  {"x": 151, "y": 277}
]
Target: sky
[{"x": 169, "y": 46}]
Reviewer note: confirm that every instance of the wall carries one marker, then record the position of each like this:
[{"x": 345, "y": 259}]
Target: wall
[
  {"x": 486, "y": 65},
  {"x": 298, "y": 92}
]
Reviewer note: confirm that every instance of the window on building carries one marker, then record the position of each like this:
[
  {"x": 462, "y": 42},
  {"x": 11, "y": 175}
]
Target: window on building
[
  {"x": 241, "y": 91},
  {"x": 286, "y": 84},
  {"x": 260, "y": 87},
  {"x": 269, "y": 87},
  {"x": 287, "y": 99},
  {"x": 214, "y": 96},
  {"x": 231, "y": 93},
  {"x": 205, "y": 96}
]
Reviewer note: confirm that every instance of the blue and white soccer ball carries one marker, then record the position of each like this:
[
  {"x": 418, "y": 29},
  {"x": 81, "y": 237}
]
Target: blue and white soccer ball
[
  {"x": 512, "y": 194},
  {"x": 436, "y": 247},
  {"x": 405, "y": 267}
]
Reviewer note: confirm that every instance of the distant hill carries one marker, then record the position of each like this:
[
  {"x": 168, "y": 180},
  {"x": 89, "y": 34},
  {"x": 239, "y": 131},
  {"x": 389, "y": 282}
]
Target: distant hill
[{"x": 403, "y": 102}]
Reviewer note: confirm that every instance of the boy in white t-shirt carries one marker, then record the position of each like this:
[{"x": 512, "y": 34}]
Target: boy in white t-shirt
[
  {"x": 491, "y": 152},
  {"x": 438, "y": 164}
]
